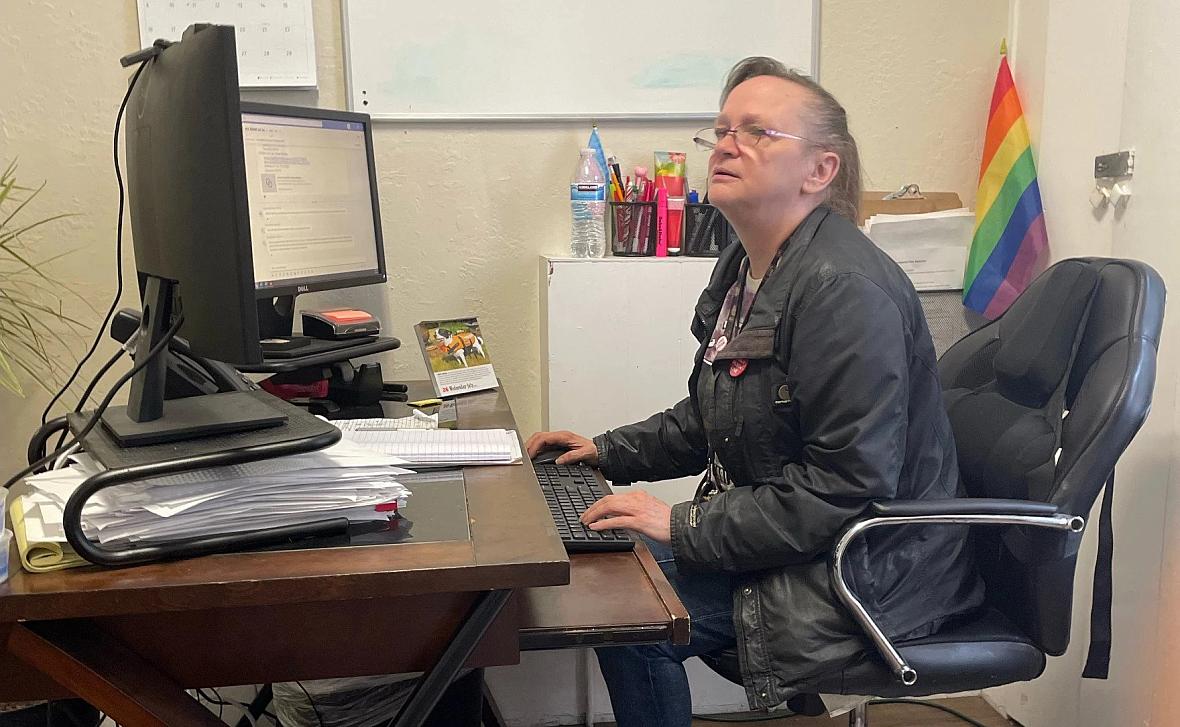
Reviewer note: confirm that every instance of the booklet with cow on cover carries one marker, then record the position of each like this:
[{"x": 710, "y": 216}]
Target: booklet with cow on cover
[{"x": 456, "y": 356}]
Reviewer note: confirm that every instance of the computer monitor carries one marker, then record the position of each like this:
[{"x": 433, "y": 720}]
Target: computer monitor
[
  {"x": 186, "y": 191},
  {"x": 315, "y": 221},
  {"x": 189, "y": 175}
]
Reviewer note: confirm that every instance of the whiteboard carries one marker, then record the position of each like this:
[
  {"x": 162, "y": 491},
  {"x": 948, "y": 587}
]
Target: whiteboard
[
  {"x": 275, "y": 39},
  {"x": 552, "y": 59}
]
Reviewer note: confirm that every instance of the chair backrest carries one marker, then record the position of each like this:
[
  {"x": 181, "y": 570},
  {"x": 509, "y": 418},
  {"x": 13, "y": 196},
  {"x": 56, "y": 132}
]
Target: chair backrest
[
  {"x": 1043, "y": 401},
  {"x": 947, "y": 318}
]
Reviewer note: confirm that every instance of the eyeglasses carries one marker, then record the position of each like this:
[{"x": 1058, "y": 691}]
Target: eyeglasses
[{"x": 746, "y": 135}]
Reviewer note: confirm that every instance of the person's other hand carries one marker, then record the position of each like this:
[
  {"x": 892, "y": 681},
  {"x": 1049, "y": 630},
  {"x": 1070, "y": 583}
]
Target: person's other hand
[
  {"x": 638, "y": 511},
  {"x": 580, "y": 449}
]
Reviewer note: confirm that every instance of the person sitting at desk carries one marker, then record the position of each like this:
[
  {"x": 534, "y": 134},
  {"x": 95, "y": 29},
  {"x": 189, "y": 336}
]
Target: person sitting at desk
[{"x": 814, "y": 391}]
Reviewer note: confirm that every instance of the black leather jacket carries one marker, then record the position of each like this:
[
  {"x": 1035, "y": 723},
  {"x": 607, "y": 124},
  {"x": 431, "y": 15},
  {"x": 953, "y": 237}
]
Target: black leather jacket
[{"x": 840, "y": 405}]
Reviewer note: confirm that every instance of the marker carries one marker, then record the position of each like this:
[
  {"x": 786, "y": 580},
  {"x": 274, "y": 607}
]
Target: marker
[
  {"x": 661, "y": 222},
  {"x": 614, "y": 165},
  {"x": 616, "y": 188}
]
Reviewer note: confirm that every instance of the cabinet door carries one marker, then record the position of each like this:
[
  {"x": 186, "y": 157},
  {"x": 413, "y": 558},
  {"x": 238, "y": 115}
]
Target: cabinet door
[{"x": 616, "y": 344}]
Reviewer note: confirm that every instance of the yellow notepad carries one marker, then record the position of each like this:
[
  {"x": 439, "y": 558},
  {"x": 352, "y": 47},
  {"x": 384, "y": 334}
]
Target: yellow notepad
[{"x": 39, "y": 556}]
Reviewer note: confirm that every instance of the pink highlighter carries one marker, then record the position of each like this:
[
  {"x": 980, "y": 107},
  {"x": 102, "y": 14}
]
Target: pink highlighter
[{"x": 661, "y": 222}]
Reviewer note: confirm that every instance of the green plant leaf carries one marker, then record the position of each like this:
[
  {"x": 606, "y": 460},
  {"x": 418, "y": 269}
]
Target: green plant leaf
[
  {"x": 21, "y": 206},
  {"x": 36, "y": 333},
  {"x": 8, "y": 378}
]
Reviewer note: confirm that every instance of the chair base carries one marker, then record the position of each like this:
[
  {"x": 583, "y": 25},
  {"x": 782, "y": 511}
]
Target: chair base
[{"x": 859, "y": 716}]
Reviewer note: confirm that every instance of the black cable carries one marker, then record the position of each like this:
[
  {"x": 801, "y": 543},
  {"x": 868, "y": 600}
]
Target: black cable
[
  {"x": 118, "y": 253},
  {"x": 312, "y": 703},
  {"x": 89, "y": 390},
  {"x": 40, "y": 439},
  {"x": 97, "y": 377},
  {"x": 102, "y": 407},
  {"x": 932, "y": 705},
  {"x": 221, "y": 704}
]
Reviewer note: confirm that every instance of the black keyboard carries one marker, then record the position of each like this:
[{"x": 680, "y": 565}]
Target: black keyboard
[{"x": 569, "y": 491}]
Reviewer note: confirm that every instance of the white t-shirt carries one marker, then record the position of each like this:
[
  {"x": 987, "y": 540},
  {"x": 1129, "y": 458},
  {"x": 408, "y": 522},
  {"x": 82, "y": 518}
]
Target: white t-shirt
[{"x": 752, "y": 283}]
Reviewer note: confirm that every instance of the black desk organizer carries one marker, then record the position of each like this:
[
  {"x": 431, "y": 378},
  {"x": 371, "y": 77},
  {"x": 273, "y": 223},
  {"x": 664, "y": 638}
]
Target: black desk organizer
[
  {"x": 706, "y": 231},
  {"x": 303, "y": 432}
]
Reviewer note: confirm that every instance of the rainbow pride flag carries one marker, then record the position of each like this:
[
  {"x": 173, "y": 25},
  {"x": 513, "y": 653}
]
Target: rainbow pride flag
[{"x": 1010, "y": 245}]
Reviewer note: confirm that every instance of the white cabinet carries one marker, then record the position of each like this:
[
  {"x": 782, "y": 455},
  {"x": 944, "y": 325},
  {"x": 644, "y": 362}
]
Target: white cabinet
[{"x": 615, "y": 342}]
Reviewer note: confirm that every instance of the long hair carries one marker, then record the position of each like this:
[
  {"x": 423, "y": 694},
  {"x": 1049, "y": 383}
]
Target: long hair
[{"x": 827, "y": 127}]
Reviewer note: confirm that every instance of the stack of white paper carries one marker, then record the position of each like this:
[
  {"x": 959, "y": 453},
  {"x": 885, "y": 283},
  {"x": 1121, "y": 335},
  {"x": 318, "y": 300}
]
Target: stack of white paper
[
  {"x": 345, "y": 480},
  {"x": 930, "y": 247},
  {"x": 442, "y": 447}
]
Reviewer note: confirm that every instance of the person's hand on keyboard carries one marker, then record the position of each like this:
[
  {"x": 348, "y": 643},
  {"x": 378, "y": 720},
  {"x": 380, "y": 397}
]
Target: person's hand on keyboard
[
  {"x": 638, "y": 511},
  {"x": 580, "y": 449}
]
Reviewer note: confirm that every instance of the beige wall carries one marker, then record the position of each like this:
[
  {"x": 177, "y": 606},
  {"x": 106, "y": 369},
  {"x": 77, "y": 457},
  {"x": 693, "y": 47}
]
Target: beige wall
[
  {"x": 466, "y": 208},
  {"x": 1123, "y": 90},
  {"x": 1148, "y": 533}
]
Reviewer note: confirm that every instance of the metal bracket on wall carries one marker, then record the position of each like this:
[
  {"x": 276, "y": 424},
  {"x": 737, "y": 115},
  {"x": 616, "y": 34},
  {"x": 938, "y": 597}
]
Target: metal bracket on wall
[{"x": 1118, "y": 164}]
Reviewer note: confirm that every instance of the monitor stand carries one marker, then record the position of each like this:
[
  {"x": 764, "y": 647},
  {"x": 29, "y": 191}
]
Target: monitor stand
[
  {"x": 302, "y": 346},
  {"x": 276, "y": 321},
  {"x": 149, "y": 419}
]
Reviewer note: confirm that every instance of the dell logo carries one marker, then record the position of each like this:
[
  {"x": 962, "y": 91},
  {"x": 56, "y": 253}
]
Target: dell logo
[{"x": 303, "y": 289}]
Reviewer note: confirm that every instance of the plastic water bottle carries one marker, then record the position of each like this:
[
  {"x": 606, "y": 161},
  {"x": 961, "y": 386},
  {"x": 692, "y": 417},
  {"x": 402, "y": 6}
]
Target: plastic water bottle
[{"x": 588, "y": 206}]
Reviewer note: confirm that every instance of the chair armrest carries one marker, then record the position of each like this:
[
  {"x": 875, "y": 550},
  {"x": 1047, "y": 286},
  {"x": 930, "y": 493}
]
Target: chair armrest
[
  {"x": 961, "y": 506},
  {"x": 964, "y": 511}
]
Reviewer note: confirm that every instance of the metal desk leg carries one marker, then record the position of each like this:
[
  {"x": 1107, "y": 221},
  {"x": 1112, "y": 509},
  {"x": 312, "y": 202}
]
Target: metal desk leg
[
  {"x": 434, "y": 682},
  {"x": 257, "y": 706},
  {"x": 490, "y": 711},
  {"x": 859, "y": 716}
]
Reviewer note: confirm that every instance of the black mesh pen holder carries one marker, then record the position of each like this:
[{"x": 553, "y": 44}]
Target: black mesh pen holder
[
  {"x": 706, "y": 231},
  {"x": 633, "y": 228}
]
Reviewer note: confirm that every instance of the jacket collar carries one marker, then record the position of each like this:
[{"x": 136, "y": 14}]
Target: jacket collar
[{"x": 768, "y": 303}]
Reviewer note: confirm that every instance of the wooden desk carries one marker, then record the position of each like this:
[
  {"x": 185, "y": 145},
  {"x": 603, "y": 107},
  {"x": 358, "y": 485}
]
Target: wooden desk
[
  {"x": 611, "y": 599},
  {"x": 127, "y": 640}
]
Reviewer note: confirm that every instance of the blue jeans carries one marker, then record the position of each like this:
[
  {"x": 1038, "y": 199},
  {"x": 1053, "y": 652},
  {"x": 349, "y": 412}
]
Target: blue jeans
[{"x": 647, "y": 684}]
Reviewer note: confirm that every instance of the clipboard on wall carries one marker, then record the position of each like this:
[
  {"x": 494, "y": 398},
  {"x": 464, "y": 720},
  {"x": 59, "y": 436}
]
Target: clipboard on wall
[{"x": 871, "y": 203}]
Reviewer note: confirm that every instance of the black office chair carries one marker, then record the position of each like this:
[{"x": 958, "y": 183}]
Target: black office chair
[
  {"x": 948, "y": 319},
  {"x": 1043, "y": 401}
]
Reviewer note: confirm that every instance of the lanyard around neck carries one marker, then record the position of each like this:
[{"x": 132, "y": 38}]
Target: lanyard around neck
[{"x": 732, "y": 326}]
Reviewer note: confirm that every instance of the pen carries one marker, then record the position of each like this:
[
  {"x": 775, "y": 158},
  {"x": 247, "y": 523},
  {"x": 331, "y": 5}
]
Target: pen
[
  {"x": 616, "y": 188},
  {"x": 614, "y": 165}
]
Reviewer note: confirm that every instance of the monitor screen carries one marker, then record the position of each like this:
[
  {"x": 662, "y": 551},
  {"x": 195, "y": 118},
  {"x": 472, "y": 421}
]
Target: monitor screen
[{"x": 313, "y": 212}]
